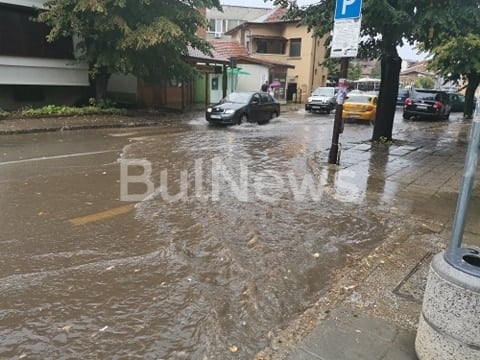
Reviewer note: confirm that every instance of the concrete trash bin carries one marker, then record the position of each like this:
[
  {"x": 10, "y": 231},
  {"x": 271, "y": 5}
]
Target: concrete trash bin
[{"x": 449, "y": 325}]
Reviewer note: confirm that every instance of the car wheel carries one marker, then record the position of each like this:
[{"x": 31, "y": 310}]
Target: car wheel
[
  {"x": 243, "y": 119},
  {"x": 406, "y": 116}
]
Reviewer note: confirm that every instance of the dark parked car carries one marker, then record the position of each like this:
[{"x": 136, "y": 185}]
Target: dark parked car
[
  {"x": 427, "y": 103},
  {"x": 240, "y": 107},
  {"x": 458, "y": 102},
  {"x": 403, "y": 94}
]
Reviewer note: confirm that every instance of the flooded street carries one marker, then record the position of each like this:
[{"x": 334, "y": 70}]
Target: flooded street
[{"x": 235, "y": 237}]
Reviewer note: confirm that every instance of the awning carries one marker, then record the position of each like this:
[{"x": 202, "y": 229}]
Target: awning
[{"x": 238, "y": 71}]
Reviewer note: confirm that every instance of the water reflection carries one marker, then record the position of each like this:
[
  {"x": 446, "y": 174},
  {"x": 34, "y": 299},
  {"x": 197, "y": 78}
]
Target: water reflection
[{"x": 377, "y": 174}]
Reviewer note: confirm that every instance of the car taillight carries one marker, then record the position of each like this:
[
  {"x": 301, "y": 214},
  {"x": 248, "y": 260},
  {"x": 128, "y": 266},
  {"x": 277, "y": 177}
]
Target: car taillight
[
  {"x": 369, "y": 108},
  {"x": 408, "y": 101},
  {"x": 437, "y": 104}
]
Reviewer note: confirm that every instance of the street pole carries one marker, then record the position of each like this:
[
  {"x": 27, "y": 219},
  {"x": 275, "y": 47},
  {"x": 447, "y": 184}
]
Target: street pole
[{"x": 333, "y": 157}]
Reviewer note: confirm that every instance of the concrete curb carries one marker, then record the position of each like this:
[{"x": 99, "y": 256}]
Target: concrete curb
[{"x": 77, "y": 127}]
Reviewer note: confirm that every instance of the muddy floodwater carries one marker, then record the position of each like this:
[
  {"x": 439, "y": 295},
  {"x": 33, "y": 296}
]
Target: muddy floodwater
[{"x": 226, "y": 236}]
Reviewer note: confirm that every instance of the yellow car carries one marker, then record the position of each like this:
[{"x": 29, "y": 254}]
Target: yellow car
[{"x": 360, "y": 107}]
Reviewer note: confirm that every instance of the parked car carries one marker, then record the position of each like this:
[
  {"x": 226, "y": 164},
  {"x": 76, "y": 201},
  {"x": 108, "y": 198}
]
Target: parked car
[
  {"x": 427, "y": 103},
  {"x": 360, "y": 107},
  {"x": 403, "y": 95},
  {"x": 458, "y": 101},
  {"x": 323, "y": 99},
  {"x": 240, "y": 107}
]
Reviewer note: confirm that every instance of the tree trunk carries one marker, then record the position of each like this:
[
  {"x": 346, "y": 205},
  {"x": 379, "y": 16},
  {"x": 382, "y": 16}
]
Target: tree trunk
[
  {"x": 101, "y": 82},
  {"x": 473, "y": 81},
  {"x": 391, "y": 65}
]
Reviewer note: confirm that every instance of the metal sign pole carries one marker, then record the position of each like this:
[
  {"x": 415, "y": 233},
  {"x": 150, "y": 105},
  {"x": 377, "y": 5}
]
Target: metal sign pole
[
  {"x": 333, "y": 157},
  {"x": 465, "y": 194}
]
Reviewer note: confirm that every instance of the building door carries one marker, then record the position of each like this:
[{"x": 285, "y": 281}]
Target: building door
[{"x": 291, "y": 89}]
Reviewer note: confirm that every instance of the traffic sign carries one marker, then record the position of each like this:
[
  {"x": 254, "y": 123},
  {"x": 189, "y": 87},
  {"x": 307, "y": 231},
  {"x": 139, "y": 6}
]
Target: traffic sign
[
  {"x": 346, "y": 34},
  {"x": 348, "y": 9}
]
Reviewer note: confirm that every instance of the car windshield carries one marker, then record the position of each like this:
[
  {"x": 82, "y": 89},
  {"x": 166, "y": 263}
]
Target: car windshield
[
  {"x": 356, "y": 91},
  {"x": 359, "y": 99},
  {"x": 239, "y": 98},
  {"x": 324, "y": 92}
]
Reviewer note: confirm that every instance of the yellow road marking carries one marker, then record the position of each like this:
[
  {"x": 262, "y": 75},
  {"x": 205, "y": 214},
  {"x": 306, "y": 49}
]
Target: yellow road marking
[{"x": 102, "y": 215}]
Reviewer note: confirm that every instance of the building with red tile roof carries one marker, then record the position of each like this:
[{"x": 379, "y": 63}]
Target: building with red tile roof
[{"x": 275, "y": 39}]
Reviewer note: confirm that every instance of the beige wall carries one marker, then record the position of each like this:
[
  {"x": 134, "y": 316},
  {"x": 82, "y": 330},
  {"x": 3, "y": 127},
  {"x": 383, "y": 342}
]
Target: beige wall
[{"x": 307, "y": 74}]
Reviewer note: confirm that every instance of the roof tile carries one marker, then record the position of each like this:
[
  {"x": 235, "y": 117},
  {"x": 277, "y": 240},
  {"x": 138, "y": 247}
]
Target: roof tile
[{"x": 228, "y": 48}]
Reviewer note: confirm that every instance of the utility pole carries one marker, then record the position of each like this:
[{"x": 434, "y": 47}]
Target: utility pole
[{"x": 333, "y": 157}]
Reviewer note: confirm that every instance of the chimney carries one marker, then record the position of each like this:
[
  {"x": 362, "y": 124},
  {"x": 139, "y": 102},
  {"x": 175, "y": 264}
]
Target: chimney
[{"x": 202, "y": 31}]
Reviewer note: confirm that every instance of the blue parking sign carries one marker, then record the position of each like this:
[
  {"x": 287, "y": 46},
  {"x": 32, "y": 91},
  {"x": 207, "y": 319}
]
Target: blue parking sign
[{"x": 348, "y": 9}]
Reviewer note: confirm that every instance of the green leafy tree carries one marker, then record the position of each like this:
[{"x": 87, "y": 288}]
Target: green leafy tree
[
  {"x": 146, "y": 38},
  {"x": 459, "y": 59},
  {"x": 424, "y": 83},
  {"x": 376, "y": 71},
  {"x": 386, "y": 24},
  {"x": 449, "y": 30},
  {"x": 354, "y": 71},
  {"x": 333, "y": 67}
]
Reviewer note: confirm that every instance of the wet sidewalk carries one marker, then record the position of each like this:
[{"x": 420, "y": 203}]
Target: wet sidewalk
[
  {"x": 372, "y": 308},
  {"x": 48, "y": 124}
]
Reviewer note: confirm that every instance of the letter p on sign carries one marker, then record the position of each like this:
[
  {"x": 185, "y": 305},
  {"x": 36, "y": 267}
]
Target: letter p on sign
[
  {"x": 345, "y": 4},
  {"x": 348, "y": 9}
]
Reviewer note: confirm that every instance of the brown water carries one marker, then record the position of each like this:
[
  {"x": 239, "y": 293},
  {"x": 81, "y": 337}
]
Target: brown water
[{"x": 208, "y": 276}]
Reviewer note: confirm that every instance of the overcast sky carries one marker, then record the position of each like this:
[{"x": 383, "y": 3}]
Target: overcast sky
[{"x": 405, "y": 52}]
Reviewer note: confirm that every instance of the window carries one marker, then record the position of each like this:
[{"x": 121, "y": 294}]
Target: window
[
  {"x": 261, "y": 46},
  {"x": 232, "y": 24},
  {"x": 216, "y": 26},
  {"x": 270, "y": 45},
  {"x": 267, "y": 98},
  {"x": 214, "y": 83},
  {"x": 211, "y": 25},
  {"x": 295, "y": 47},
  {"x": 20, "y": 36}
]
